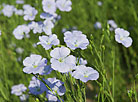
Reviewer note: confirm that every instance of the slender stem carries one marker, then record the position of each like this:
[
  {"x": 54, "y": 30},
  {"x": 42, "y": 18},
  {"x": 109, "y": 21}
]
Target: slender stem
[
  {"x": 113, "y": 54},
  {"x": 99, "y": 97},
  {"x": 135, "y": 91}
]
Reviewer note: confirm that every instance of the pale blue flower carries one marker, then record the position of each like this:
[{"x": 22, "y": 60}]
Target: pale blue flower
[
  {"x": 24, "y": 97},
  {"x": 122, "y": 36},
  {"x": 34, "y": 64},
  {"x": 29, "y": 12},
  {"x": 26, "y": 6},
  {"x": 36, "y": 27},
  {"x": 58, "y": 17},
  {"x": 19, "y": 1},
  {"x": 19, "y": 50},
  {"x": 64, "y": 30},
  {"x": 85, "y": 73},
  {"x": 18, "y": 89},
  {"x": 98, "y": 25},
  {"x": 48, "y": 41},
  {"x": 0, "y": 32},
  {"x": 75, "y": 40},
  {"x": 64, "y": 5},
  {"x": 48, "y": 16},
  {"x": 51, "y": 97},
  {"x": 99, "y": 3},
  {"x": 56, "y": 87},
  {"x": 49, "y": 6},
  {"x": 112, "y": 24},
  {"x": 47, "y": 27},
  {"x": 27, "y": 36},
  {"x": 18, "y": 12},
  {"x": 61, "y": 60},
  {"x": 19, "y": 59},
  {"x": 20, "y": 31},
  {"x": 8, "y": 10},
  {"x": 82, "y": 61},
  {"x": 34, "y": 45},
  {"x": 47, "y": 70},
  {"x": 36, "y": 87}
]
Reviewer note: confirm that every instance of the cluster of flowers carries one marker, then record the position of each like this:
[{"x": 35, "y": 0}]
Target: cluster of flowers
[
  {"x": 61, "y": 58},
  {"x": 49, "y": 16},
  {"x": 111, "y": 23},
  {"x": 37, "y": 87},
  {"x": 61, "y": 61},
  {"x": 18, "y": 91},
  {"x": 8, "y": 10},
  {"x": 49, "y": 6},
  {"x": 121, "y": 35}
]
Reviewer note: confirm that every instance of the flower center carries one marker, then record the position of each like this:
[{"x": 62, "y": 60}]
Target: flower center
[
  {"x": 63, "y": 5},
  {"x": 35, "y": 66},
  {"x": 31, "y": 14},
  {"x": 85, "y": 76},
  {"x": 22, "y": 33},
  {"x": 18, "y": 90},
  {"x": 76, "y": 45},
  {"x": 121, "y": 38},
  {"x": 60, "y": 60},
  {"x": 48, "y": 43},
  {"x": 49, "y": 5}
]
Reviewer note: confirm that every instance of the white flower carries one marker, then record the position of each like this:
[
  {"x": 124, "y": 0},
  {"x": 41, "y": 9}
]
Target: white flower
[
  {"x": 24, "y": 97},
  {"x": 19, "y": 1},
  {"x": 112, "y": 24},
  {"x": 61, "y": 60},
  {"x": 0, "y": 32},
  {"x": 48, "y": 41},
  {"x": 82, "y": 61},
  {"x": 85, "y": 73},
  {"x": 36, "y": 27},
  {"x": 47, "y": 27},
  {"x": 19, "y": 50},
  {"x": 18, "y": 12},
  {"x": 122, "y": 36},
  {"x": 34, "y": 64},
  {"x": 99, "y": 3},
  {"x": 49, "y": 6},
  {"x": 64, "y": 5},
  {"x": 18, "y": 89},
  {"x": 20, "y": 31},
  {"x": 29, "y": 12},
  {"x": 8, "y": 10},
  {"x": 98, "y": 25},
  {"x": 76, "y": 39}
]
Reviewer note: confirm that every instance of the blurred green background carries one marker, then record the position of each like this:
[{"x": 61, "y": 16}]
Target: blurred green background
[{"x": 84, "y": 14}]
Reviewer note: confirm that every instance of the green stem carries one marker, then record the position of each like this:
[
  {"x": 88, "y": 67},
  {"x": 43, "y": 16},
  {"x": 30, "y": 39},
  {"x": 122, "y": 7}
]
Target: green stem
[
  {"x": 135, "y": 91},
  {"x": 113, "y": 74}
]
